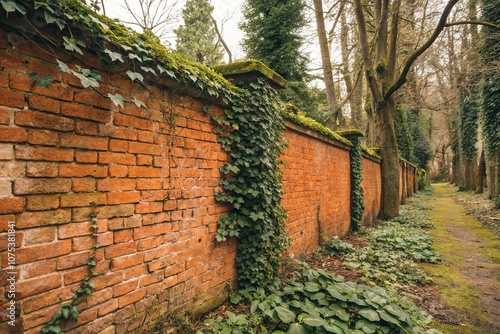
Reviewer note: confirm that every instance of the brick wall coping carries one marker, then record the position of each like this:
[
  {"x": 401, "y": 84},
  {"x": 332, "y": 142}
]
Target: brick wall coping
[{"x": 314, "y": 134}]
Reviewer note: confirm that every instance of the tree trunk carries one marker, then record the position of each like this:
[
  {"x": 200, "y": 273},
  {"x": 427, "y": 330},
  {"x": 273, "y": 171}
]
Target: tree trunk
[
  {"x": 326, "y": 61},
  {"x": 386, "y": 139}
]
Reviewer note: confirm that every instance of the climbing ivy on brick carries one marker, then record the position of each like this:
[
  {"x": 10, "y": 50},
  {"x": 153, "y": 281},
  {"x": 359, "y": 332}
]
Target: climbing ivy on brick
[
  {"x": 252, "y": 133},
  {"x": 357, "y": 196}
]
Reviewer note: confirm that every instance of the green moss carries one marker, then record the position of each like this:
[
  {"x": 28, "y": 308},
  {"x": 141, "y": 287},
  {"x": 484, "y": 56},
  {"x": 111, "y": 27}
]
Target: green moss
[
  {"x": 251, "y": 66},
  {"x": 293, "y": 114},
  {"x": 373, "y": 152}
]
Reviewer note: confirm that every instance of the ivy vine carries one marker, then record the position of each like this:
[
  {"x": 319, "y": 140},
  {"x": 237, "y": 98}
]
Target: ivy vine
[
  {"x": 70, "y": 311},
  {"x": 252, "y": 133},
  {"x": 357, "y": 195}
]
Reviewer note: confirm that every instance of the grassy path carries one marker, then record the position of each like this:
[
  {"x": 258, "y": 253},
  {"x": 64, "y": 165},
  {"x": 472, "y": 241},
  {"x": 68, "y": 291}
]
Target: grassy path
[{"x": 468, "y": 278}]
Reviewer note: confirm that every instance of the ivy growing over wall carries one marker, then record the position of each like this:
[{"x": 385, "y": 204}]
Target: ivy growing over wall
[
  {"x": 252, "y": 133},
  {"x": 469, "y": 113},
  {"x": 357, "y": 196}
]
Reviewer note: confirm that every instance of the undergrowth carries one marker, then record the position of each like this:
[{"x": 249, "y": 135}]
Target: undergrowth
[{"x": 315, "y": 301}]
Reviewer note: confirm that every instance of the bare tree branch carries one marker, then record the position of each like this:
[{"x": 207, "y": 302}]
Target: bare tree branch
[{"x": 221, "y": 39}]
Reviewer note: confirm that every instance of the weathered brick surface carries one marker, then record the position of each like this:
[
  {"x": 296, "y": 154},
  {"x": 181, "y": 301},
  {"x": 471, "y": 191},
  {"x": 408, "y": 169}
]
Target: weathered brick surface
[
  {"x": 316, "y": 188},
  {"x": 65, "y": 148}
]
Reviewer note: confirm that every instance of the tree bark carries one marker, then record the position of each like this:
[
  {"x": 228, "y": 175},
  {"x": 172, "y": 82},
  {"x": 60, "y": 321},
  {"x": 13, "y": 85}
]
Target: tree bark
[{"x": 326, "y": 62}]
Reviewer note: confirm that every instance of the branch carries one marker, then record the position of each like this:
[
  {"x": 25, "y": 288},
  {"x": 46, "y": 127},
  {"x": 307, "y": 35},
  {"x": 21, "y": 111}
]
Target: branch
[
  {"x": 439, "y": 28},
  {"x": 483, "y": 23},
  {"x": 223, "y": 42}
]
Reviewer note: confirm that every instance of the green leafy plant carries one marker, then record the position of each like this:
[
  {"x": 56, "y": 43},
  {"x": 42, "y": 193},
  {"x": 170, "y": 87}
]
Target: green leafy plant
[
  {"x": 252, "y": 133},
  {"x": 338, "y": 247},
  {"x": 315, "y": 302}
]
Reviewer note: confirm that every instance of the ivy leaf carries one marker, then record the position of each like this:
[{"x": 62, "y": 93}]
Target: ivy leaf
[
  {"x": 139, "y": 103},
  {"x": 134, "y": 56},
  {"x": 117, "y": 99},
  {"x": 135, "y": 76},
  {"x": 164, "y": 70},
  {"x": 44, "y": 81},
  {"x": 296, "y": 329},
  {"x": 63, "y": 67},
  {"x": 86, "y": 81},
  {"x": 148, "y": 69},
  {"x": 11, "y": 6},
  {"x": 114, "y": 55},
  {"x": 71, "y": 44},
  {"x": 52, "y": 19},
  {"x": 96, "y": 20}
]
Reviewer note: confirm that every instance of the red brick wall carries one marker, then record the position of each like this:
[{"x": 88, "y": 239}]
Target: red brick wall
[
  {"x": 372, "y": 188},
  {"x": 316, "y": 174},
  {"x": 65, "y": 147}
]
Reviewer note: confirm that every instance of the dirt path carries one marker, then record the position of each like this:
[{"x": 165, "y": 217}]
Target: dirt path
[{"x": 468, "y": 278}]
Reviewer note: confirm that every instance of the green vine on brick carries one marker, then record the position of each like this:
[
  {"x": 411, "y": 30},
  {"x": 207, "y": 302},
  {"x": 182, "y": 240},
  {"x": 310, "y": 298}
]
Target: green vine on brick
[
  {"x": 357, "y": 196},
  {"x": 70, "y": 311},
  {"x": 252, "y": 133}
]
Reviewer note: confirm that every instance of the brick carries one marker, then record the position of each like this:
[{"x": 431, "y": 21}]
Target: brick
[
  {"x": 86, "y": 157},
  {"x": 12, "y": 99},
  {"x": 122, "y": 236},
  {"x": 12, "y": 134},
  {"x": 43, "y": 137},
  {"x": 144, "y": 160},
  {"x": 144, "y": 148},
  {"x": 107, "y": 308},
  {"x": 56, "y": 90},
  {"x": 134, "y": 122},
  {"x": 38, "y": 285},
  {"x": 126, "y": 261},
  {"x": 82, "y": 199},
  {"x": 135, "y": 271},
  {"x": 12, "y": 62},
  {"x": 5, "y": 188},
  {"x": 111, "y": 211},
  {"x": 100, "y": 297},
  {"x": 41, "y": 186},
  {"x": 151, "y": 231},
  {"x": 79, "y": 244},
  {"x": 123, "y": 197},
  {"x": 108, "y": 279},
  {"x": 116, "y": 250},
  {"x": 4, "y": 79},
  {"x": 43, "y": 251},
  {"x": 149, "y": 207},
  {"x": 90, "y": 97},
  {"x": 131, "y": 298},
  {"x": 75, "y": 275},
  {"x": 116, "y": 184},
  {"x": 5, "y": 114},
  {"x": 6, "y": 152},
  {"x": 144, "y": 172},
  {"x": 72, "y": 260},
  {"x": 84, "y": 184},
  {"x": 118, "y": 171},
  {"x": 72, "y": 230},
  {"x": 41, "y": 169},
  {"x": 38, "y": 268},
  {"x": 86, "y": 112},
  {"x": 116, "y": 145},
  {"x": 39, "y": 235},
  {"x": 43, "y": 218},
  {"x": 12, "y": 205},
  {"x": 86, "y": 128},
  {"x": 82, "y": 170},
  {"x": 84, "y": 142},
  {"x": 117, "y": 132},
  {"x": 43, "y": 103},
  {"x": 43, "y": 300},
  {"x": 44, "y": 121},
  {"x": 149, "y": 243},
  {"x": 43, "y": 153},
  {"x": 116, "y": 158}
]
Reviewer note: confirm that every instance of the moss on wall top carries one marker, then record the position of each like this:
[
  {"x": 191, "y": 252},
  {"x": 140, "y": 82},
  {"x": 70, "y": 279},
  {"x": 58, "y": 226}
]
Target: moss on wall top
[{"x": 251, "y": 67}]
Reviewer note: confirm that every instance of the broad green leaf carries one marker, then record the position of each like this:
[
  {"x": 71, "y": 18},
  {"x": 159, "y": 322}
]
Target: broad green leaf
[
  {"x": 117, "y": 99},
  {"x": 86, "y": 81},
  {"x": 135, "y": 76},
  {"x": 114, "y": 55},
  {"x": 369, "y": 314},
  {"x": 99, "y": 22},
  {"x": 11, "y": 6},
  {"x": 330, "y": 328},
  {"x": 71, "y": 44},
  {"x": 148, "y": 69},
  {"x": 63, "y": 67},
  {"x": 366, "y": 326},
  {"x": 314, "y": 321},
  {"x": 52, "y": 19},
  {"x": 139, "y": 103},
  {"x": 285, "y": 315},
  {"x": 296, "y": 329}
]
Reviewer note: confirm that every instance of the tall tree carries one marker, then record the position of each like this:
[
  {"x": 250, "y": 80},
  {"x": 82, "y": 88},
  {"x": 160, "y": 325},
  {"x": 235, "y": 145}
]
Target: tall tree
[
  {"x": 198, "y": 38},
  {"x": 383, "y": 81},
  {"x": 272, "y": 29}
]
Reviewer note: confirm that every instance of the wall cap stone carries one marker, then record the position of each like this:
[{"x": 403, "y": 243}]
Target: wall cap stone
[{"x": 249, "y": 70}]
